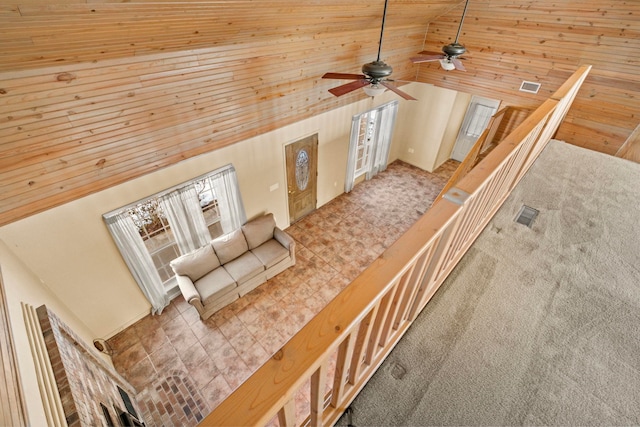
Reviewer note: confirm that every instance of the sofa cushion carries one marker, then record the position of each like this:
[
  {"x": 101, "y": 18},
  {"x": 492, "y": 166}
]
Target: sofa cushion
[
  {"x": 245, "y": 267},
  {"x": 214, "y": 285},
  {"x": 259, "y": 230},
  {"x": 230, "y": 246},
  {"x": 196, "y": 264},
  {"x": 270, "y": 253}
]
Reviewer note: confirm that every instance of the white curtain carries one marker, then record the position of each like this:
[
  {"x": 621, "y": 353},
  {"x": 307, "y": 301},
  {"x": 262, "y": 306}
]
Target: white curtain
[
  {"x": 183, "y": 211},
  {"x": 225, "y": 186},
  {"x": 481, "y": 116},
  {"x": 353, "y": 153},
  {"x": 135, "y": 255},
  {"x": 384, "y": 132},
  {"x": 384, "y": 123}
]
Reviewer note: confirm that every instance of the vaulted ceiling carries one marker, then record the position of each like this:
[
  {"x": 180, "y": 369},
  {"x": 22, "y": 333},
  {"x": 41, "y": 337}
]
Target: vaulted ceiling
[
  {"x": 39, "y": 33},
  {"x": 96, "y": 92}
]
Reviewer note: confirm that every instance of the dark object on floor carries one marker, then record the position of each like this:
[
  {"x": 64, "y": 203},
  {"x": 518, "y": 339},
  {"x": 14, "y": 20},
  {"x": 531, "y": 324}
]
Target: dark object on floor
[{"x": 349, "y": 415}]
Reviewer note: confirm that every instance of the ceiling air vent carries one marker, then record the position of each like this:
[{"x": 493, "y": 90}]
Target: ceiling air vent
[
  {"x": 526, "y": 215},
  {"x": 531, "y": 87}
]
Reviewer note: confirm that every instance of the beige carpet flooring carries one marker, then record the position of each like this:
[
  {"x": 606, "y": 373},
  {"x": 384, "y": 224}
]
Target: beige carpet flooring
[{"x": 536, "y": 326}]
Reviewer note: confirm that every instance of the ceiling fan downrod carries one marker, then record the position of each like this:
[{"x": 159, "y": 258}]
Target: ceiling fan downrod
[
  {"x": 384, "y": 18},
  {"x": 377, "y": 70},
  {"x": 464, "y": 12}
]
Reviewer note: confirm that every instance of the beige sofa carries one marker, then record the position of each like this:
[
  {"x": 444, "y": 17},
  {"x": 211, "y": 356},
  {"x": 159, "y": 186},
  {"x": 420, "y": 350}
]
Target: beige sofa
[{"x": 219, "y": 273}]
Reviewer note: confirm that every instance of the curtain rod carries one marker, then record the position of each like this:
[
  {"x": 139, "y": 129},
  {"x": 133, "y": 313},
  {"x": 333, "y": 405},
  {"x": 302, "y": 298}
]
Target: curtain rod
[{"x": 168, "y": 190}]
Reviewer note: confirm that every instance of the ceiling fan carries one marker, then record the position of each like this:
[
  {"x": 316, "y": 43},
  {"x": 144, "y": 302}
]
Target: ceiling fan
[
  {"x": 450, "y": 60},
  {"x": 374, "y": 78}
]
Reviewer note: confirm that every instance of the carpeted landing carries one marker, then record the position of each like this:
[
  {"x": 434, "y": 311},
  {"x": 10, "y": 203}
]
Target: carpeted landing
[{"x": 536, "y": 326}]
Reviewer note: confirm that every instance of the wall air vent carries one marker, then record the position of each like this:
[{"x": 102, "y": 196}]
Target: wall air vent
[
  {"x": 526, "y": 215},
  {"x": 531, "y": 87}
]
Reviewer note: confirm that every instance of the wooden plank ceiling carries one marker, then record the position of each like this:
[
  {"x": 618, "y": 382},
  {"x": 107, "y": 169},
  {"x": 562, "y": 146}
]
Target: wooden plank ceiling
[
  {"x": 544, "y": 41},
  {"x": 94, "y": 93},
  {"x": 97, "y": 93}
]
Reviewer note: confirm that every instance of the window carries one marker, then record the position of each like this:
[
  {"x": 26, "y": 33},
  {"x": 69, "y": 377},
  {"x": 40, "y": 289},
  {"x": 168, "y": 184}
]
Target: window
[
  {"x": 480, "y": 117},
  {"x": 209, "y": 205},
  {"x": 156, "y": 234},
  {"x": 152, "y": 232}
]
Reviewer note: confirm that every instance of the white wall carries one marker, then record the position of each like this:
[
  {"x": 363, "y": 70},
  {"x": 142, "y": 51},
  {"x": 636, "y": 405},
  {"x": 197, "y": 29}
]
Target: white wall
[
  {"x": 23, "y": 286},
  {"x": 456, "y": 117},
  {"x": 426, "y": 131},
  {"x": 71, "y": 251}
]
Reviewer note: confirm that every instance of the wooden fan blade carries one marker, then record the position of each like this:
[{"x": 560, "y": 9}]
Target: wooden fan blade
[
  {"x": 344, "y": 76},
  {"x": 398, "y": 91},
  {"x": 349, "y": 87},
  {"x": 458, "y": 64},
  {"x": 426, "y": 58},
  {"x": 430, "y": 53}
]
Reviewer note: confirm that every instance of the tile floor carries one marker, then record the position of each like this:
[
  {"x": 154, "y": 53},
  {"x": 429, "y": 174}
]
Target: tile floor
[{"x": 183, "y": 367}]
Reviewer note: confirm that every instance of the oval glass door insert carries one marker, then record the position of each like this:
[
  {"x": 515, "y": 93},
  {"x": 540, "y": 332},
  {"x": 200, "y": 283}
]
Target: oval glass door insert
[{"x": 302, "y": 169}]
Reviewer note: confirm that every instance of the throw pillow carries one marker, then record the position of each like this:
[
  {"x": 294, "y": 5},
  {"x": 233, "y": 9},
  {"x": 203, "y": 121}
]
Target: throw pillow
[
  {"x": 196, "y": 264},
  {"x": 230, "y": 246},
  {"x": 259, "y": 230}
]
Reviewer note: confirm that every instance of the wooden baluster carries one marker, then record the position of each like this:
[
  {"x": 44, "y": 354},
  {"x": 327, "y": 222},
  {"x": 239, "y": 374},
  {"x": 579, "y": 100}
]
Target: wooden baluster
[
  {"x": 318, "y": 384},
  {"x": 364, "y": 334},
  {"x": 395, "y": 306},
  {"x": 345, "y": 352},
  {"x": 287, "y": 415},
  {"x": 379, "y": 320},
  {"x": 414, "y": 286}
]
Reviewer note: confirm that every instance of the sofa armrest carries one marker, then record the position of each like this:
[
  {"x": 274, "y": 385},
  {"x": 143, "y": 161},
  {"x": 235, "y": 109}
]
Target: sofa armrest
[
  {"x": 188, "y": 289},
  {"x": 285, "y": 240}
]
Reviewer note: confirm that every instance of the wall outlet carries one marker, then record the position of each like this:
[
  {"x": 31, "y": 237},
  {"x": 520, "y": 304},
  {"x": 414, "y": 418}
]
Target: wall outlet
[
  {"x": 274, "y": 187},
  {"x": 410, "y": 150}
]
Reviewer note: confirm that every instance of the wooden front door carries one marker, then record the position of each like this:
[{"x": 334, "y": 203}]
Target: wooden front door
[{"x": 302, "y": 172}]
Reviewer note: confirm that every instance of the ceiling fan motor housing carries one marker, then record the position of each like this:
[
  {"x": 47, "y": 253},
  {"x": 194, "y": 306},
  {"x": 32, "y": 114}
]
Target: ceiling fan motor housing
[
  {"x": 454, "y": 49},
  {"x": 377, "y": 70}
]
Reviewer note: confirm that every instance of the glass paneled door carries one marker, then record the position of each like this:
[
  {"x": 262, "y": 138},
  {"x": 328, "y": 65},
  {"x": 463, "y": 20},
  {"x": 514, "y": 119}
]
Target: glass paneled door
[
  {"x": 302, "y": 171},
  {"x": 475, "y": 121}
]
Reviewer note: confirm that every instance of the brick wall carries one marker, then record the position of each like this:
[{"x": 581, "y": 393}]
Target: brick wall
[{"x": 83, "y": 378}]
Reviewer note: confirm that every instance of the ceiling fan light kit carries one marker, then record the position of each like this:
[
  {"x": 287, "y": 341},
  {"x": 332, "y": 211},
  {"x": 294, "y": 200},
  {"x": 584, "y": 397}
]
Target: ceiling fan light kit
[
  {"x": 374, "y": 89},
  {"x": 447, "y": 65},
  {"x": 450, "y": 58},
  {"x": 374, "y": 78}
]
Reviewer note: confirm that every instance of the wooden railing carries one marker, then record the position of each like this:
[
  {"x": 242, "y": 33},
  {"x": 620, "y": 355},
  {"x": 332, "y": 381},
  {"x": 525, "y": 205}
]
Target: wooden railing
[
  {"x": 630, "y": 149},
  {"x": 492, "y": 128},
  {"x": 465, "y": 165},
  {"x": 315, "y": 376},
  {"x": 491, "y": 136},
  {"x": 512, "y": 117}
]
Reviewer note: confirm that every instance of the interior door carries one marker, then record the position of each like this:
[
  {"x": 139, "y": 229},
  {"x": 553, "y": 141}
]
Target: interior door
[
  {"x": 302, "y": 172},
  {"x": 474, "y": 123}
]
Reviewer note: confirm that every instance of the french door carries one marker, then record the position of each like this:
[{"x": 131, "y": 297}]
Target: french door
[{"x": 370, "y": 141}]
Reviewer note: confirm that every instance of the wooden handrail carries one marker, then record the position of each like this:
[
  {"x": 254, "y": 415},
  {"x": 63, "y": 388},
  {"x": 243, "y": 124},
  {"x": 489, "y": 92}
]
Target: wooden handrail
[
  {"x": 630, "y": 149},
  {"x": 493, "y": 126},
  {"x": 572, "y": 84},
  {"x": 335, "y": 354},
  {"x": 465, "y": 165},
  {"x": 471, "y": 158}
]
